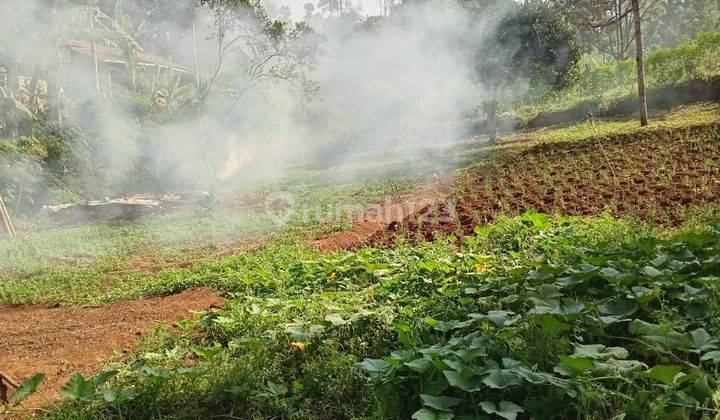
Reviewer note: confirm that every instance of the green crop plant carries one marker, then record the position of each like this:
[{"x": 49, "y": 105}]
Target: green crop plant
[{"x": 533, "y": 316}]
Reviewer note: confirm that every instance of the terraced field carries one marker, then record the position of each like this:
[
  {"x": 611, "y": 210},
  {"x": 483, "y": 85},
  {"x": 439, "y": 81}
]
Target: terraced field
[{"x": 658, "y": 176}]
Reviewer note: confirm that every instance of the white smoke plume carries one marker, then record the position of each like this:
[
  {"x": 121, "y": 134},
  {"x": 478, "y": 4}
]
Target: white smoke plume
[{"x": 385, "y": 89}]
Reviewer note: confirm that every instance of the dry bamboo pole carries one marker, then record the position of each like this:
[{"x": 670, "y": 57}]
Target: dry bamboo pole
[
  {"x": 7, "y": 222},
  {"x": 5, "y": 380}
]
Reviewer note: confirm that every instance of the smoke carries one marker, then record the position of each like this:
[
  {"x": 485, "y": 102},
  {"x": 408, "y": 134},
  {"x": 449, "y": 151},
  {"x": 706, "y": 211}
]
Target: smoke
[{"x": 386, "y": 89}]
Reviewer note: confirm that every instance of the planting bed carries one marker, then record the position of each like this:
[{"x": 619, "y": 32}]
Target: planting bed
[
  {"x": 61, "y": 341},
  {"x": 654, "y": 176}
]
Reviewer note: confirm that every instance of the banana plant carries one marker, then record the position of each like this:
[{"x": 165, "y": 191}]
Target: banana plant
[{"x": 13, "y": 113}]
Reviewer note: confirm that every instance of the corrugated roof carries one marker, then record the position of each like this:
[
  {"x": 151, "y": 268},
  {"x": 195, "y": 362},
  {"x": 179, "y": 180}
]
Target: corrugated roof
[{"x": 115, "y": 55}]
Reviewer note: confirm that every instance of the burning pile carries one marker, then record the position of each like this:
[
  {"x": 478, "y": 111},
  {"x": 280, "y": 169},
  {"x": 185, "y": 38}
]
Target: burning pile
[{"x": 125, "y": 208}]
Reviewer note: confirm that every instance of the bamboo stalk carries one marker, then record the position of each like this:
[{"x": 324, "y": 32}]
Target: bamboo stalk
[
  {"x": 7, "y": 222},
  {"x": 4, "y": 382},
  {"x": 9, "y": 380}
]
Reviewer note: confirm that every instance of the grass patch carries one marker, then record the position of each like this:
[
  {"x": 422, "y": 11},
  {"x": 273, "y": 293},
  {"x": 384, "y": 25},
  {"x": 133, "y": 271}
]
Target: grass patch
[{"x": 682, "y": 117}]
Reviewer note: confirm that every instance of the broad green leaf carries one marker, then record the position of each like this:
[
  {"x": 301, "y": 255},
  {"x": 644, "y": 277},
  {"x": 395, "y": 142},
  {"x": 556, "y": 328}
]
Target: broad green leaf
[
  {"x": 276, "y": 389},
  {"x": 640, "y": 327},
  {"x": 463, "y": 380},
  {"x": 627, "y": 367},
  {"x": 609, "y": 273},
  {"x": 696, "y": 239},
  {"x": 443, "y": 326},
  {"x": 664, "y": 373},
  {"x": 419, "y": 365},
  {"x": 699, "y": 310},
  {"x": 500, "y": 318},
  {"x": 671, "y": 341},
  {"x": 428, "y": 414},
  {"x": 535, "y": 220},
  {"x": 335, "y": 319},
  {"x": 551, "y": 324},
  {"x": 574, "y": 366},
  {"x": 155, "y": 375},
  {"x": 638, "y": 407},
  {"x": 77, "y": 388},
  {"x": 207, "y": 352},
  {"x": 712, "y": 357},
  {"x": 441, "y": 403},
  {"x": 570, "y": 308},
  {"x": 501, "y": 378},
  {"x": 403, "y": 355},
  {"x": 643, "y": 295},
  {"x": 435, "y": 385},
  {"x": 702, "y": 341},
  {"x": 546, "y": 295},
  {"x": 375, "y": 367},
  {"x": 621, "y": 307},
  {"x": 100, "y": 379},
  {"x": 298, "y": 385},
  {"x": 118, "y": 395},
  {"x": 27, "y": 388},
  {"x": 505, "y": 409},
  {"x": 530, "y": 375},
  {"x": 471, "y": 353},
  {"x": 652, "y": 271},
  {"x": 599, "y": 352}
]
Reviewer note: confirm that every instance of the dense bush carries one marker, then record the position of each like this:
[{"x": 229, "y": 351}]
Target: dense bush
[
  {"x": 699, "y": 60},
  {"x": 49, "y": 163},
  {"x": 696, "y": 61}
]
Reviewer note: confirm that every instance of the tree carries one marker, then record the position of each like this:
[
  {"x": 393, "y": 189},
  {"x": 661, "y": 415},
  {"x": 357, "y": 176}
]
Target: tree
[
  {"x": 604, "y": 25},
  {"x": 679, "y": 21},
  {"x": 249, "y": 50},
  {"x": 599, "y": 16},
  {"x": 640, "y": 63},
  {"x": 532, "y": 43},
  {"x": 338, "y": 8},
  {"x": 386, "y": 6}
]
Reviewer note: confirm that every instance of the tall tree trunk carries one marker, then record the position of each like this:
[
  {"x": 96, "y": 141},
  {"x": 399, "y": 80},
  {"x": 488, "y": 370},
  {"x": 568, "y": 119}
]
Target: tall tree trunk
[
  {"x": 195, "y": 53},
  {"x": 640, "y": 64},
  {"x": 93, "y": 51},
  {"x": 55, "y": 92},
  {"x": 491, "y": 115}
]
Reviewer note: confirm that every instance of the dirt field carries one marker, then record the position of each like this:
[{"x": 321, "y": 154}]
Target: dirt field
[
  {"x": 61, "y": 341},
  {"x": 655, "y": 178},
  {"x": 375, "y": 221}
]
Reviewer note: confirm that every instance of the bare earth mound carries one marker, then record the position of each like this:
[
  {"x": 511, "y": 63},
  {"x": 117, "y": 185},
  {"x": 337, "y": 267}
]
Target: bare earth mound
[{"x": 61, "y": 341}]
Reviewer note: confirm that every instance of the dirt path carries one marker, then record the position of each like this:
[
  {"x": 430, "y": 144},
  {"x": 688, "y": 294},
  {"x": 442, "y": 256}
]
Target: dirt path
[
  {"x": 376, "y": 220},
  {"x": 61, "y": 341}
]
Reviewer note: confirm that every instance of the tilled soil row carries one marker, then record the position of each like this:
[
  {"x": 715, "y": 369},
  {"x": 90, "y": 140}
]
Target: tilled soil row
[{"x": 656, "y": 177}]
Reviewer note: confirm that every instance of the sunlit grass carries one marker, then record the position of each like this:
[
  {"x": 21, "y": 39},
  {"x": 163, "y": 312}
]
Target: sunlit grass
[{"x": 681, "y": 117}]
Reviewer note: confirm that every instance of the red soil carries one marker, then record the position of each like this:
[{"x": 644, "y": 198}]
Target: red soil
[
  {"x": 368, "y": 225},
  {"x": 655, "y": 178},
  {"x": 61, "y": 341}
]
